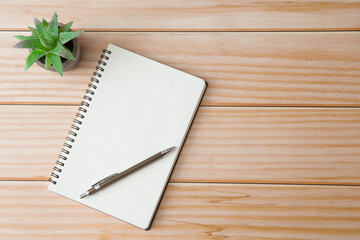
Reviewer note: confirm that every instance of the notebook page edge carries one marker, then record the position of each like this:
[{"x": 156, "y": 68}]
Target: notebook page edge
[
  {"x": 177, "y": 156},
  {"x": 155, "y": 61}
]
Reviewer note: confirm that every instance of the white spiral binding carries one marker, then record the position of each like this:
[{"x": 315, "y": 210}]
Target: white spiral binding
[{"x": 65, "y": 151}]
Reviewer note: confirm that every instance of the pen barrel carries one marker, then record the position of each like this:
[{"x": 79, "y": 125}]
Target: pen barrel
[
  {"x": 132, "y": 169},
  {"x": 92, "y": 191}
]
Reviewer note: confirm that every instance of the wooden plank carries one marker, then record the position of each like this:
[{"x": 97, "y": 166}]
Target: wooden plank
[
  {"x": 187, "y": 15},
  {"x": 243, "y": 69},
  {"x": 31, "y": 138},
  {"x": 189, "y": 211},
  {"x": 249, "y": 145}
]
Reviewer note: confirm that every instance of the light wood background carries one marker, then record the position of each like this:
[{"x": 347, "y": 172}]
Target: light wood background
[{"x": 274, "y": 152}]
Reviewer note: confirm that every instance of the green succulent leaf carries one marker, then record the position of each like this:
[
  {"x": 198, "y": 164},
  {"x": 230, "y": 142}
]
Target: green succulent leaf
[
  {"x": 56, "y": 62},
  {"x": 48, "y": 37},
  {"x": 33, "y": 56},
  {"x": 40, "y": 28},
  {"x": 22, "y": 38},
  {"x": 67, "y": 54},
  {"x": 52, "y": 29},
  {"x": 46, "y": 42},
  {"x": 65, "y": 27},
  {"x": 64, "y": 37},
  {"x": 46, "y": 24},
  {"x": 62, "y": 51},
  {"x": 33, "y": 31},
  {"x": 47, "y": 62},
  {"x": 30, "y": 43}
]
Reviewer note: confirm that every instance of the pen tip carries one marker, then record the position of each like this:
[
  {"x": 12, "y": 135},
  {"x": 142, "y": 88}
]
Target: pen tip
[
  {"x": 169, "y": 149},
  {"x": 84, "y": 195}
]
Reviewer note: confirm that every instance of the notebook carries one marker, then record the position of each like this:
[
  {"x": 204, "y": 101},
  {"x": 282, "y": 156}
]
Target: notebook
[{"x": 134, "y": 108}]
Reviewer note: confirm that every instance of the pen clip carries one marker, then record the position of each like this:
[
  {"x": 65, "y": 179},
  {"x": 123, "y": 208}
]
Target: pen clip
[{"x": 104, "y": 179}]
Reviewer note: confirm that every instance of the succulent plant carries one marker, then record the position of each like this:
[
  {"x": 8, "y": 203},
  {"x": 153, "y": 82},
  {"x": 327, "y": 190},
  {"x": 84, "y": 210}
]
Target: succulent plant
[{"x": 48, "y": 39}]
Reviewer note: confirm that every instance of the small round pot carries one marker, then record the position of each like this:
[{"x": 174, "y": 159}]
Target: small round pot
[{"x": 68, "y": 64}]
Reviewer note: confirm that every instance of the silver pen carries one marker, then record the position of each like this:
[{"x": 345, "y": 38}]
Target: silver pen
[{"x": 116, "y": 176}]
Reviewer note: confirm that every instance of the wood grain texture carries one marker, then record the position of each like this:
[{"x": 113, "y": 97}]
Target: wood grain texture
[
  {"x": 249, "y": 145},
  {"x": 189, "y": 211},
  {"x": 242, "y": 69},
  {"x": 188, "y": 15},
  {"x": 220, "y": 41}
]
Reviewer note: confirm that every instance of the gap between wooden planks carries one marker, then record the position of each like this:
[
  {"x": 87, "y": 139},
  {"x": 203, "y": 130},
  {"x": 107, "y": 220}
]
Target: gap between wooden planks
[
  {"x": 206, "y": 211},
  {"x": 235, "y": 144},
  {"x": 242, "y": 69},
  {"x": 217, "y": 15}
]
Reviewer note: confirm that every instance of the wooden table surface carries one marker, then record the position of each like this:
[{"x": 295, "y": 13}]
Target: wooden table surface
[{"x": 274, "y": 152}]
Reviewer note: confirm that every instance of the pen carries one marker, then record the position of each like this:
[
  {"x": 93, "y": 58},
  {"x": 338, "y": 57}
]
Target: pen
[{"x": 116, "y": 176}]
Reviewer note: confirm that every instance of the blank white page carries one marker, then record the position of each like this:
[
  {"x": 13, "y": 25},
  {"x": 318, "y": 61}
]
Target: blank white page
[{"x": 140, "y": 107}]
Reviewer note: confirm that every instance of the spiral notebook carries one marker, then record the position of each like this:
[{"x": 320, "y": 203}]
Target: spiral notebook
[{"x": 134, "y": 107}]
